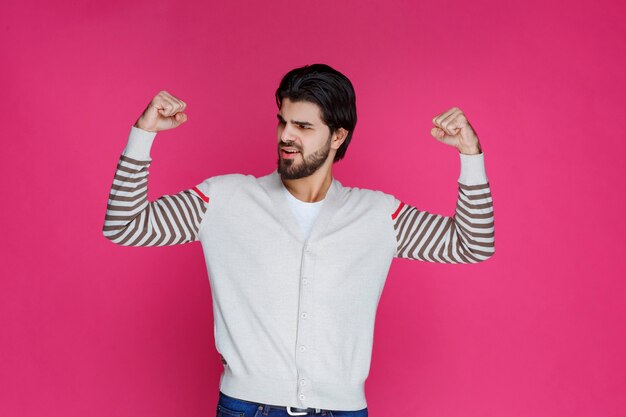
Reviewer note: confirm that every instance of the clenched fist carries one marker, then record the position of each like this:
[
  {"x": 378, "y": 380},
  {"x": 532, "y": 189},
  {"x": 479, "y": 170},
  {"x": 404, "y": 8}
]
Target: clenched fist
[
  {"x": 453, "y": 128},
  {"x": 164, "y": 112}
]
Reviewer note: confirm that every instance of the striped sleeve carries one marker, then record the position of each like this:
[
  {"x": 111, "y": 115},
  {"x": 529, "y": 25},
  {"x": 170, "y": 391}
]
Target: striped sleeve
[
  {"x": 466, "y": 237},
  {"x": 132, "y": 220}
]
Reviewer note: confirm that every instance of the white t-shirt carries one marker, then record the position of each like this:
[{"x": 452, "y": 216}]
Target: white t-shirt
[{"x": 305, "y": 213}]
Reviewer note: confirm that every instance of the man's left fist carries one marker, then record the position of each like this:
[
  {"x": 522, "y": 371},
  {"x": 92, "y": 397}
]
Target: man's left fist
[{"x": 453, "y": 128}]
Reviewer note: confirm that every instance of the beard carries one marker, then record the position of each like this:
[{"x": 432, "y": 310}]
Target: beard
[{"x": 289, "y": 169}]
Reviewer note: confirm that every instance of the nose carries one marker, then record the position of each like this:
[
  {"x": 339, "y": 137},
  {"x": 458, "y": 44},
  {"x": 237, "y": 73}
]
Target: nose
[{"x": 287, "y": 135}]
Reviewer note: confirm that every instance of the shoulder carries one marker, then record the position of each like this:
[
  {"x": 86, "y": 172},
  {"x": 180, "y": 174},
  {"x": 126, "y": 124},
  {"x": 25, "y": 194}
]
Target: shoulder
[
  {"x": 373, "y": 198},
  {"x": 225, "y": 183}
]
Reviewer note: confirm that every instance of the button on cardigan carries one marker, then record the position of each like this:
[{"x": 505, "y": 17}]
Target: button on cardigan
[{"x": 294, "y": 316}]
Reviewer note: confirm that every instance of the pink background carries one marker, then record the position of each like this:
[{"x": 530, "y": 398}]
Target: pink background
[{"x": 88, "y": 328}]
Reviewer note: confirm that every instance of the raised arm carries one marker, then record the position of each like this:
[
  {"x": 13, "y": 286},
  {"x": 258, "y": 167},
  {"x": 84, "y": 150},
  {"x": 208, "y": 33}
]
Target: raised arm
[
  {"x": 466, "y": 237},
  {"x": 132, "y": 220}
]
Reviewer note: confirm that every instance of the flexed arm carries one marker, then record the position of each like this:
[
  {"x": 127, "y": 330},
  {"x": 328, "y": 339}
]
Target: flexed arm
[
  {"x": 132, "y": 220},
  {"x": 466, "y": 237}
]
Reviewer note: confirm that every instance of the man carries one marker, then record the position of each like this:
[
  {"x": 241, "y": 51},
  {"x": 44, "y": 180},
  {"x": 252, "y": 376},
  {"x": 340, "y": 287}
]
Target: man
[{"x": 296, "y": 261}]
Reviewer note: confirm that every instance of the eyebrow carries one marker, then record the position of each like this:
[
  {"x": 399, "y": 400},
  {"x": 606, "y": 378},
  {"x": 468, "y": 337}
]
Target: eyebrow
[{"x": 296, "y": 122}]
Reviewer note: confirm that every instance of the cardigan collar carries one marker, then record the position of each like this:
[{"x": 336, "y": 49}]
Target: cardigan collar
[{"x": 276, "y": 190}]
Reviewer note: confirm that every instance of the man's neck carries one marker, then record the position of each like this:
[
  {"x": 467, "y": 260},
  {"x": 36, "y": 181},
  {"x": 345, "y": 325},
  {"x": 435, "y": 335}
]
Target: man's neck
[{"x": 313, "y": 188}]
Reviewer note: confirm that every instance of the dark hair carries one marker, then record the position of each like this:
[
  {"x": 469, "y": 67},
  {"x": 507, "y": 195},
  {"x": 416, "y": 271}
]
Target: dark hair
[{"x": 330, "y": 90}]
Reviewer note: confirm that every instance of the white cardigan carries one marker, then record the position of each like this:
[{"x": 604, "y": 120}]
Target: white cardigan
[{"x": 294, "y": 318}]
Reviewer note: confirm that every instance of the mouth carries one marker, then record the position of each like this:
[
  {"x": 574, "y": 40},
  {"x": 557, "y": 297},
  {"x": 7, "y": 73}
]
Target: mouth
[{"x": 288, "y": 153}]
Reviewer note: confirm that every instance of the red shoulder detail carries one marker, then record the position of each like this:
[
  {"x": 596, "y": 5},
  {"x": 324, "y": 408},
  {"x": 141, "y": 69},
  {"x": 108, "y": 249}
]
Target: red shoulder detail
[
  {"x": 395, "y": 214},
  {"x": 201, "y": 194}
]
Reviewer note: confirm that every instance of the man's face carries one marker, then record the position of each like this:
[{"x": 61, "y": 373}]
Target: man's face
[{"x": 304, "y": 141}]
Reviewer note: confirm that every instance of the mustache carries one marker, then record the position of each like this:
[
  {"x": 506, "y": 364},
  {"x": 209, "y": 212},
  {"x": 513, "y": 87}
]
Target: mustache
[{"x": 290, "y": 145}]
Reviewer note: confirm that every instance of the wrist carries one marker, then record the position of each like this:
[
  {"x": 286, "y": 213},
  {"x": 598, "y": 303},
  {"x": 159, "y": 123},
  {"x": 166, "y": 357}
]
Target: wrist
[
  {"x": 473, "y": 150},
  {"x": 141, "y": 126}
]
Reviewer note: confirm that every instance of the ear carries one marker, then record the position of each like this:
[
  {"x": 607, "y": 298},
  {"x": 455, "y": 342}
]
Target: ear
[{"x": 338, "y": 137}]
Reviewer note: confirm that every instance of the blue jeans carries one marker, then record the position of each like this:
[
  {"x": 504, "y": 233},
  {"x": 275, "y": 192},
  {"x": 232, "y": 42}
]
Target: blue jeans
[{"x": 234, "y": 407}]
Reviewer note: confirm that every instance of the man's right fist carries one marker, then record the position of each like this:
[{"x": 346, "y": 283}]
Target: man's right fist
[{"x": 164, "y": 112}]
